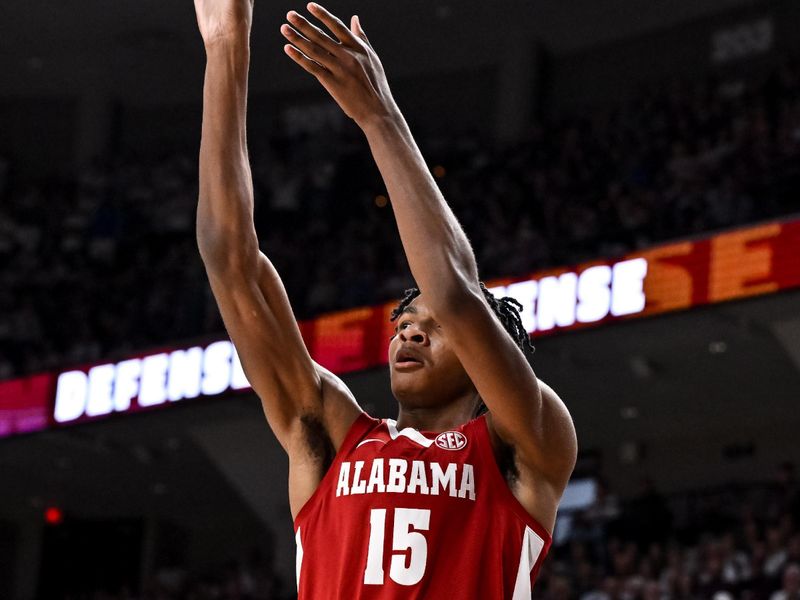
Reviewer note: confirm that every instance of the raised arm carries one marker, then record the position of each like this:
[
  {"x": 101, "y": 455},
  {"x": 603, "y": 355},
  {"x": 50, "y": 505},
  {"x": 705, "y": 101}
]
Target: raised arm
[
  {"x": 525, "y": 413},
  {"x": 308, "y": 408}
]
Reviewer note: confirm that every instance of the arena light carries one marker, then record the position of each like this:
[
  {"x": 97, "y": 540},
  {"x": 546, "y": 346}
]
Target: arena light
[{"x": 53, "y": 515}]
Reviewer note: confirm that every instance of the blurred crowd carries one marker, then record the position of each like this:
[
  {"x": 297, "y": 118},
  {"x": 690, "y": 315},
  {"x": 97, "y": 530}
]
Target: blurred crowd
[
  {"x": 106, "y": 262},
  {"x": 251, "y": 578},
  {"x": 732, "y": 543}
]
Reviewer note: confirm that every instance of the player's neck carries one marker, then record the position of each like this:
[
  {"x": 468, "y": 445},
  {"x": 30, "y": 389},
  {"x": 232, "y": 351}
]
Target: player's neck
[{"x": 438, "y": 418}]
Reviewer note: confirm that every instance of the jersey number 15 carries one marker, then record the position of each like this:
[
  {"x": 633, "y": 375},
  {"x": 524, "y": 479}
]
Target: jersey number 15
[{"x": 406, "y": 568}]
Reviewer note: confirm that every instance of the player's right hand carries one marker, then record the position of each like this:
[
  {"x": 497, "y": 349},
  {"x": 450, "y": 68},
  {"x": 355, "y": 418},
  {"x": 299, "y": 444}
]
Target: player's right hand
[{"x": 224, "y": 20}]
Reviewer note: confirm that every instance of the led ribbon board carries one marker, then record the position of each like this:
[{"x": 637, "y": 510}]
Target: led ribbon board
[
  {"x": 746, "y": 262},
  {"x": 738, "y": 264}
]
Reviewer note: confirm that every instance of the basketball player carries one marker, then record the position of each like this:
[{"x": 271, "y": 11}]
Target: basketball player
[{"x": 441, "y": 503}]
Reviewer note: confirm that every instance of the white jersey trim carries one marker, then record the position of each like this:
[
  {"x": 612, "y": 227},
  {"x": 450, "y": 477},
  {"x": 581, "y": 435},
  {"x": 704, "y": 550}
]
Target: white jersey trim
[
  {"x": 299, "y": 558},
  {"x": 409, "y": 432},
  {"x": 532, "y": 545},
  {"x": 362, "y": 442}
]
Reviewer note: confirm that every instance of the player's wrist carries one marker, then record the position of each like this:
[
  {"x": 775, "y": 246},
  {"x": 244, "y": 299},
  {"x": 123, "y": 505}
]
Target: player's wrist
[
  {"x": 228, "y": 59},
  {"x": 231, "y": 43},
  {"x": 380, "y": 121}
]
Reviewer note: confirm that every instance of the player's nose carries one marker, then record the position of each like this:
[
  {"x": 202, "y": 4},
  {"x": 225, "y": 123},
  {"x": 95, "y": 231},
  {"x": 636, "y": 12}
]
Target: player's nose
[{"x": 414, "y": 334}]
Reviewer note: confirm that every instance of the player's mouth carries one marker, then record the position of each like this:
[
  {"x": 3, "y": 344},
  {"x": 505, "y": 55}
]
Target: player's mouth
[
  {"x": 407, "y": 364},
  {"x": 407, "y": 359}
]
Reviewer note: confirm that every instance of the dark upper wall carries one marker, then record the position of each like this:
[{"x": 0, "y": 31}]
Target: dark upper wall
[
  {"x": 608, "y": 74},
  {"x": 37, "y": 134},
  {"x": 149, "y": 51}
]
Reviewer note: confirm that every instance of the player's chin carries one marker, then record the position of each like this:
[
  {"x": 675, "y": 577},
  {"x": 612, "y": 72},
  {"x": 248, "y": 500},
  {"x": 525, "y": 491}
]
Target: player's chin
[
  {"x": 409, "y": 380},
  {"x": 407, "y": 375}
]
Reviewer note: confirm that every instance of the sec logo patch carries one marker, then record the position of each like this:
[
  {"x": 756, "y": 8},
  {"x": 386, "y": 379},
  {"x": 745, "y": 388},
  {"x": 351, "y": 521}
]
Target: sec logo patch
[{"x": 451, "y": 440}]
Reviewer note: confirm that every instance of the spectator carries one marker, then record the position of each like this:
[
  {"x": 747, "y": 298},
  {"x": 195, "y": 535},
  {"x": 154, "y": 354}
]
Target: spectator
[{"x": 790, "y": 590}]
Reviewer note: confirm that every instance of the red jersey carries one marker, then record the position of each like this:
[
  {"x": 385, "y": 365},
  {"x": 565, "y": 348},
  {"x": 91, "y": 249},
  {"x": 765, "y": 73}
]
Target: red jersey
[{"x": 409, "y": 514}]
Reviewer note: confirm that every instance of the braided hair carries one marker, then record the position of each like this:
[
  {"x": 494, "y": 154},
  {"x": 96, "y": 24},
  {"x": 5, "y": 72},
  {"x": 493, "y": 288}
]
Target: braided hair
[{"x": 506, "y": 309}]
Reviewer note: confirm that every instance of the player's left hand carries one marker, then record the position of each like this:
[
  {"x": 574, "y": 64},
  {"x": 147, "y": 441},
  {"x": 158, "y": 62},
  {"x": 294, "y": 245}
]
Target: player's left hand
[{"x": 343, "y": 61}]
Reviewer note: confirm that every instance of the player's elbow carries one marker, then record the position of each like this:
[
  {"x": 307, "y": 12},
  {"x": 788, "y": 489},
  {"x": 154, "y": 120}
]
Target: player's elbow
[
  {"x": 553, "y": 448},
  {"x": 224, "y": 250},
  {"x": 455, "y": 297}
]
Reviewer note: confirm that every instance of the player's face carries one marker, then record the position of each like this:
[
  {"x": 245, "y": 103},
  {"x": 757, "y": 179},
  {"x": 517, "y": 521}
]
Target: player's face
[{"x": 424, "y": 370}]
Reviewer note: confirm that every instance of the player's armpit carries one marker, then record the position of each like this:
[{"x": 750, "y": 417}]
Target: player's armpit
[
  {"x": 317, "y": 438},
  {"x": 262, "y": 326}
]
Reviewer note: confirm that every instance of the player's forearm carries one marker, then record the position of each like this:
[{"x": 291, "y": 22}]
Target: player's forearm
[
  {"x": 225, "y": 229},
  {"x": 438, "y": 251}
]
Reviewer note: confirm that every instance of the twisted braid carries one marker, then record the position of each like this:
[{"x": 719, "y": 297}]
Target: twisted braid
[{"x": 507, "y": 310}]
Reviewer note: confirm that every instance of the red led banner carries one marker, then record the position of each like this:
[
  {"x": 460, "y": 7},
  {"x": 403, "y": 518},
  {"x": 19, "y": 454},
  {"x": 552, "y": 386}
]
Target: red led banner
[
  {"x": 746, "y": 262},
  {"x": 25, "y": 403}
]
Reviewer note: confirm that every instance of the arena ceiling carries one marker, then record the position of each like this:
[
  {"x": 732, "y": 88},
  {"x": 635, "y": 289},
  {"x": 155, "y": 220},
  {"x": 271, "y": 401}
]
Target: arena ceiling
[{"x": 151, "y": 51}]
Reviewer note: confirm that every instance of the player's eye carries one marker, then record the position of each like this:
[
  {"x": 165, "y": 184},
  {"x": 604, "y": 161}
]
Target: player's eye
[{"x": 398, "y": 328}]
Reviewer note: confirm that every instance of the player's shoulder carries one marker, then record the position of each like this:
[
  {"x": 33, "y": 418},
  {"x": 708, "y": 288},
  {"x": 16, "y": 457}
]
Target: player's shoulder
[{"x": 362, "y": 426}]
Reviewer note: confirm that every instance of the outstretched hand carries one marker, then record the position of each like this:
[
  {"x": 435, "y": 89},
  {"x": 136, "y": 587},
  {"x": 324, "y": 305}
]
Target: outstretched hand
[{"x": 343, "y": 61}]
